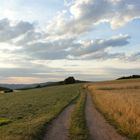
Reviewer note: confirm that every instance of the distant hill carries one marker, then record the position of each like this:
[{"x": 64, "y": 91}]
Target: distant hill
[
  {"x": 129, "y": 77},
  {"x": 69, "y": 80},
  {"x": 16, "y": 86},
  {"x": 26, "y": 86},
  {"x": 3, "y": 89}
]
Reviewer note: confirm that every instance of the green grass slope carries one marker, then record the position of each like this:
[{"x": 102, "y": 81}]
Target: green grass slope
[{"x": 24, "y": 115}]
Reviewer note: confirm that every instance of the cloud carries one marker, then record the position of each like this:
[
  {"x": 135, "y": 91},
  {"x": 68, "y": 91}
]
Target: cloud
[
  {"x": 66, "y": 25},
  {"x": 84, "y": 15},
  {"x": 117, "y": 72},
  {"x": 52, "y": 44},
  {"x": 28, "y": 37},
  {"x": 92, "y": 46},
  {"x": 134, "y": 57},
  {"x": 115, "y": 12},
  {"x": 74, "y": 49},
  {"x": 101, "y": 55},
  {"x": 37, "y": 44},
  {"x": 25, "y": 69},
  {"x": 68, "y": 2},
  {"x": 9, "y": 32}
]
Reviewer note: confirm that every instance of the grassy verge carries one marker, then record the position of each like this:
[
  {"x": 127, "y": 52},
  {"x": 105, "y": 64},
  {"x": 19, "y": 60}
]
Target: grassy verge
[
  {"x": 31, "y": 110},
  {"x": 120, "y": 106},
  {"x": 78, "y": 129}
]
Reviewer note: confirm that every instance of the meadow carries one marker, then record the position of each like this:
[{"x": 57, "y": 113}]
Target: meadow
[
  {"x": 24, "y": 115},
  {"x": 119, "y": 102}
]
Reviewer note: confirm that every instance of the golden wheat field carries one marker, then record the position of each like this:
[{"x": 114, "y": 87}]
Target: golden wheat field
[{"x": 119, "y": 101}]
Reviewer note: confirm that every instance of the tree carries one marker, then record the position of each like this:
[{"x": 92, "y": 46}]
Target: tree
[{"x": 69, "y": 80}]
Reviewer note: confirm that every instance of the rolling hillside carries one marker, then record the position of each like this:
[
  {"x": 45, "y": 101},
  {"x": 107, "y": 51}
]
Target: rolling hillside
[
  {"x": 31, "y": 110},
  {"x": 3, "y": 89}
]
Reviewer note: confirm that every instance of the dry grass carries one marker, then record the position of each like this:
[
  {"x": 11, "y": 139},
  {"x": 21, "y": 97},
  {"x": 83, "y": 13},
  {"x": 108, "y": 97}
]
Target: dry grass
[{"x": 119, "y": 101}]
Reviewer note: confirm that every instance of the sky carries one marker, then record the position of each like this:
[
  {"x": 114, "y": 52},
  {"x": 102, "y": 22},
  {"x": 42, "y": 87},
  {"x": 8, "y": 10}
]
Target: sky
[{"x": 42, "y": 40}]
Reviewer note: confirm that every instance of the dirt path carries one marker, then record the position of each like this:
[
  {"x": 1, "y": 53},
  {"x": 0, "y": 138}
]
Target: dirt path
[
  {"x": 98, "y": 127},
  {"x": 58, "y": 130}
]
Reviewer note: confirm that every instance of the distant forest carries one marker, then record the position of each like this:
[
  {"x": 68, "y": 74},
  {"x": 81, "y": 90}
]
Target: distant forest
[{"x": 129, "y": 77}]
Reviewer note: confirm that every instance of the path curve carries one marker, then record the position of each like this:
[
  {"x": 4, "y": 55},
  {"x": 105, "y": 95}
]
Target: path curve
[
  {"x": 58, "y": 129},
  {"x": 99, "y": 129}
]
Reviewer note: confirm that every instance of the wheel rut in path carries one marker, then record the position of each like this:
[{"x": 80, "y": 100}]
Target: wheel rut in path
[
  {"x": 99, "y": 128},
  {"x": 58, "y": 129}
]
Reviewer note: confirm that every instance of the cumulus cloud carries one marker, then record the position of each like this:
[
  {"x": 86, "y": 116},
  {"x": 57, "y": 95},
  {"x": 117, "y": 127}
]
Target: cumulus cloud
[
  {"x": 99, "y": 45},
  {"x": 74, "y": 49},
  {"x": 116, "y": 12},
  {"x": 40, "y": 45},
  {"x": 28, "y": 37},
  {"x": 9, "y": 31},
  {"x": 86, "y": 14}
]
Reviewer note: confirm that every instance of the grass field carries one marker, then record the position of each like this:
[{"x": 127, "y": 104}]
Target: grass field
[
  {"x": 24, "y": 115},
  {"x": 78, "y": 128},
  {"x": 119, "y": 101}
]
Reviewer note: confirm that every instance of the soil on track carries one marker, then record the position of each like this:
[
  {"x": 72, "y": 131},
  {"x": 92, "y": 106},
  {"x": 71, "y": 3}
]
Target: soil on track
[
  {"x": 99, "y": 129},
  {"x": 58, "y": 129}
]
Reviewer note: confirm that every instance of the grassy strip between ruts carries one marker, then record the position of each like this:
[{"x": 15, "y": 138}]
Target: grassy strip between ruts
[{"x": 78, "y": 129}]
